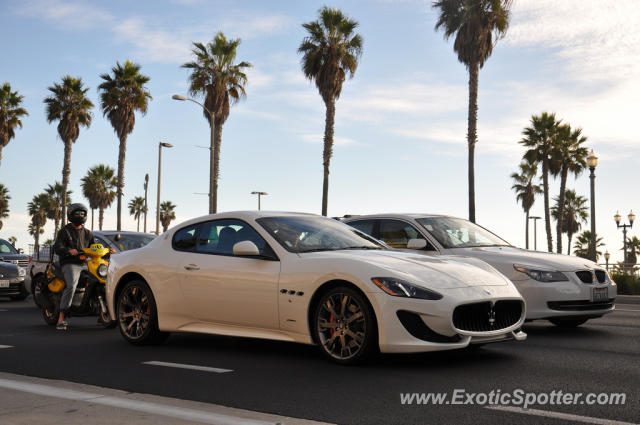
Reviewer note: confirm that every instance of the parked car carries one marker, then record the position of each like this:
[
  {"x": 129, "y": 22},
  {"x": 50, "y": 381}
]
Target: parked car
[
  {"x": 119, "y": 241},
  {"x": 9, "y": 254},
  {"x": 565, "y": 290},
  {"x": 12, "y": 281},
  {"x": 309, "y": 279}
]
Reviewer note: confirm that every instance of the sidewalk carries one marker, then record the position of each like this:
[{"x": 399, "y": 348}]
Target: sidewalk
[
  {"x": 27, "y": 401},
  {"x": 628, "y": 299}
]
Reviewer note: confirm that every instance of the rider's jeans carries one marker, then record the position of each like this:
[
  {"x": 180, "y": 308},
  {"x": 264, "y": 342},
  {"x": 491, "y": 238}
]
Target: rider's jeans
[{"x": 71, "y": 273}]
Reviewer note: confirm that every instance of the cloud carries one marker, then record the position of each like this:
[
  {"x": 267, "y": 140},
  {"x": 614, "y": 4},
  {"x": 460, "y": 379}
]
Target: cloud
[
  {"x": 338, "y": 141},
  {"x": 74, "y": 15}
]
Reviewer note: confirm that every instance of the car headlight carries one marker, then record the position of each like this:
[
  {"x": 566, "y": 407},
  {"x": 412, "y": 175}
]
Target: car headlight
[
  {"x": 22, "y": 272},
  {"x": 542, "y": 275},
  {"x": 102, "y": 270},
  {"x": 400, "y": 288}
]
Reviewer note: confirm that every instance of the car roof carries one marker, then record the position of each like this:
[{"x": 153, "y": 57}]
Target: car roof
[
  {"x": 394, "y": 215},
  {"x": 247, "y": 215},
  {"x": 122, "y": 232}
]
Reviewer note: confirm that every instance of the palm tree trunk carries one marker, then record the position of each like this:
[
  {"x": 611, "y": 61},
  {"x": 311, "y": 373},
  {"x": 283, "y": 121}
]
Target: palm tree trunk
[
  {"x": 472, "y": 136},
  {"x": 526, "y": 226},
  {"x": 217, "y": 142},
  {"x": 561, "y": 197},
  {"x": 92, "y": 211},
  {"x": 327, "y": 152},
  {"x": 547, "y": 216},
  {"x": 138, "y": 228},
  {"x": 1, "y": 153},
  {"x": 36, "y": 239},
  {"x": 213, "y": 177},
  {"x": 121, "y": 154},
  {"x": 66, "y": 170},
  {"x": 100, "y": 217},
  {"x": 56, "y": 227},
  {"x": 569, "y": 235}
]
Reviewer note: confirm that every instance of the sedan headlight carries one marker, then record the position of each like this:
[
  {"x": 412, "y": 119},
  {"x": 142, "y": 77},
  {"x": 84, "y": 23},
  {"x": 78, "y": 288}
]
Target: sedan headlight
[
  {"x": 400, "y": 288},
  {"x": 102, "y": 271},
  {"x": 22, "y": 272},
  {"x": 542, "y": 275}
]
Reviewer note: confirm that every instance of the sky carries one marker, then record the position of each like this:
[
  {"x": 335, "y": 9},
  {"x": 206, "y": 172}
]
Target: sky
[{"x": 400, "y": 126}]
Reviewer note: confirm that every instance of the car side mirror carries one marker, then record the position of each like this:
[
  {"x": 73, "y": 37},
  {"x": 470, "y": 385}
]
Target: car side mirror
[
  {"x": 20, "y": 251},
  {"x": 245, "y": 248},
  {"x": 417, "y": 244}
]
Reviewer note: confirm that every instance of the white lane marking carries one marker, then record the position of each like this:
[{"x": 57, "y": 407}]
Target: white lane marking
[
  {"x": 6, "y": 346},
  {"x": 139, "y": 406},
  {"x": 625, "y": 309},
  {"x": 2, "y": 309},
  {"x": 559, "y": 415},
  {"x": 189, "y": 366}
]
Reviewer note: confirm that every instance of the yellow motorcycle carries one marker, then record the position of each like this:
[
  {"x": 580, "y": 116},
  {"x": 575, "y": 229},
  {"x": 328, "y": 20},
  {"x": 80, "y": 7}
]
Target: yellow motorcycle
[{"x": 89, "y": 297}]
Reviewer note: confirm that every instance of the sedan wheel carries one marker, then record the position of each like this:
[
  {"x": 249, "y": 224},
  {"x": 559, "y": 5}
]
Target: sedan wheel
[
  {"x": 137, "y": 314},
  {"x": 345, "y": 326}
]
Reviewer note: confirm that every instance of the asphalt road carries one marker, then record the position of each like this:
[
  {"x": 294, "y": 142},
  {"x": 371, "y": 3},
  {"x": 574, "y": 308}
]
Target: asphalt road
[{"x": 295, "y": 380}]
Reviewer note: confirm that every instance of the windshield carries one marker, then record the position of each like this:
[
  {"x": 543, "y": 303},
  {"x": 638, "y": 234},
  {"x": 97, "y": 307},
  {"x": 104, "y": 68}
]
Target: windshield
[
  {"x": 7, "y": 248},
  {"x": 130, "y": 241},
  {"x": 309, "y": 234},
  {"x": 458, "y": 233}
]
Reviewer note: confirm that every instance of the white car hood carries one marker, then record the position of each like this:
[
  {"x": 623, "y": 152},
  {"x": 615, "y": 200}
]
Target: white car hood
[
  {"x": 508, "y": 254},
  {"x": 442, "y": 272}
]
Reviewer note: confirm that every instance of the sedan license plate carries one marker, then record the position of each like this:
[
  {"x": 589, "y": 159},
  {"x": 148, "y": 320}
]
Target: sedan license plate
[
  {"x": 600, "y": 295},
  {"x": 4, "y": 283}
]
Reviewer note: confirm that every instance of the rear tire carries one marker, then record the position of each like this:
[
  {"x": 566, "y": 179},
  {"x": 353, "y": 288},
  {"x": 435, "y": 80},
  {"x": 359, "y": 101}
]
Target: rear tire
[
  {"x": 568, "y": 323},
  {"x": 344, "y": 326},
  {"x": 137, "y": 314}
]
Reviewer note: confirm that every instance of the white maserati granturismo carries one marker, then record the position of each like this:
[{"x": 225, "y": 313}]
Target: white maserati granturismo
[
  {"x": 310, "y": 279},
  {"x": 563, "y": 289}
]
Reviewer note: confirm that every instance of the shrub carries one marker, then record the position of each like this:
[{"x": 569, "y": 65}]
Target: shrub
[{"x": 627, "y": 283}]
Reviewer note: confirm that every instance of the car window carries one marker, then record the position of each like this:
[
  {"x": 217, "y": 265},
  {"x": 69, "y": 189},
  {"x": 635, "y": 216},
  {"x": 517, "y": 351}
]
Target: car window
[
  {"x": 7, "y": 248},
  {"x": 130, "y": 241},
  {"x": 219, "y": 237},
  {"x": 459, "y": 233},
  {"x": 185, "y": 238},
  {"x": 365, "y": 226},
  {"x": 101, "y": 241},
  {"x": 397, "y": 233}
]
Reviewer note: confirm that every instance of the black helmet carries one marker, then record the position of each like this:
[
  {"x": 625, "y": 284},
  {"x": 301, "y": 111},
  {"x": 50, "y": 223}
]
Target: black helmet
[{"x": 74, "y": 215}]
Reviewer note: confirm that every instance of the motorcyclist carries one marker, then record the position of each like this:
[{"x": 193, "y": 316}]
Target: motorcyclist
[{"x": 70, "y": 241}]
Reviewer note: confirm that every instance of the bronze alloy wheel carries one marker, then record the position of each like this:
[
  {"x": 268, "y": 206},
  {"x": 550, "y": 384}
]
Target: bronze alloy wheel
[
  {"x": 137, "y": 315},
  {"x": 344, "y": 325}
]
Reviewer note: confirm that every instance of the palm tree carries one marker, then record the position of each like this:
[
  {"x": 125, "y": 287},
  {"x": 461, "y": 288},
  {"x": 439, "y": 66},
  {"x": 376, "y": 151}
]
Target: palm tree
[
  {"x": 70, "y": 106},
  {"x": 330, "y": 52},
  {"x": 477, "y": 26},
  {"x": 54, "y": 208},
  {"x": 10, "y": 114},
  {"x": 575, "y": 213},
  {"x": 568, "y": 156},
  {"x": 99, "y": 187},
  {"x": 538, "y": 138},
  {"x": 4, "y": 203},
  {"x": 216, "y": 76},
  {"x": 37, "y": 208},
  {"x": 582, "y": 246},
  {"x": 121, "y": 95},
  {"x": 137, "y": 208},
  {"x": 167, "y": 214},
  {"x": 526, "y": 191}
]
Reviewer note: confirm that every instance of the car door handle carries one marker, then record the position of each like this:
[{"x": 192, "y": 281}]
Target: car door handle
[{"x": 192, "y": 267}]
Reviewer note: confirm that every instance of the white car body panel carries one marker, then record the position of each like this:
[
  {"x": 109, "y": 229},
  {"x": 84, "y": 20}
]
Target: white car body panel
[
  {"x": 260, "y": 298},
  {"x": 536, "y": 294}
]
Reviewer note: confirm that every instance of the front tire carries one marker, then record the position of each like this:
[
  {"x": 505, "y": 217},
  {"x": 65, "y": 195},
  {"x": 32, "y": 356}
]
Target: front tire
[
  {"x": 344, "y": 326},
  {"x": 568, "y": 323},
  {"x": 137, "y": 314}
]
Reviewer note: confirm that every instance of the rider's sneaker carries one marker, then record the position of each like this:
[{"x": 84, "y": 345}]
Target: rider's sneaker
[{"x": 62, "y": 326}]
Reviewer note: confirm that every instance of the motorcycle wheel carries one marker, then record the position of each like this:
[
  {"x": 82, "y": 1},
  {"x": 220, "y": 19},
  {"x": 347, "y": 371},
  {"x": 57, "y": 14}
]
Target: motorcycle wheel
[
  {"x": 51, "y": 315},
  {"x": 105, "y": 320},
  {"x": 45, "y": 301}
]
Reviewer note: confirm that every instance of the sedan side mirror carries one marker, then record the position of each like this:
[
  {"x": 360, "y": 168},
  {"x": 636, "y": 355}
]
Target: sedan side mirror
[
  {"x": 245, "y": 248},
  {"x": 417, "y": 244},
  {"x": 20, "y": 251}
]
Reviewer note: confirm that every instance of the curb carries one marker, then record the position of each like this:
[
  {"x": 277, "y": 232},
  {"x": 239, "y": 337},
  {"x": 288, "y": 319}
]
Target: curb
[{"x": 628, "y": 299}]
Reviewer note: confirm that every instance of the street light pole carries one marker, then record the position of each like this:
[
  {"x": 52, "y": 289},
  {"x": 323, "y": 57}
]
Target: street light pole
[
  {"x": 607, "y": 256},
  {"x": 624, "y": 226},
  {"x": 535, "y": 231},
  {"x": 592, "y": 162},
  {"x": 160, "y": 146},
  {"x": 259, "y": 195},
  {"x": 146, "y": 186},
  {"x": 213, "y": 155}
]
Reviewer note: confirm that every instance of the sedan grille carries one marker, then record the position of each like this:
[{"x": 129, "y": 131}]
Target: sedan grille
[
  {"x": 483, "y": 317},
  {"x": 586, "y": 276}
]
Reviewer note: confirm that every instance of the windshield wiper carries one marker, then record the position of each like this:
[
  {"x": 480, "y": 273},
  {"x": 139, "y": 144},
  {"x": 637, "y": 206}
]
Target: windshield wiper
[
  {"x": 361, "y": 247},
  {"x": 316, "y": 250}
]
